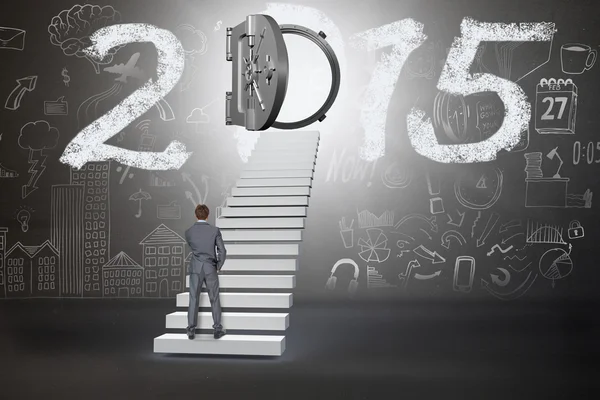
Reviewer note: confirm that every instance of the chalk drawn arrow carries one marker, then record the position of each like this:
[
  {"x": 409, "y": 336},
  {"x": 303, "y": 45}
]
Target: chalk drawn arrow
[
  {"x": 514, "y": 294},
  {"x": 187, "y": 177},
  {"x": 403, "y": 277},
  {"x": 427, "y": 254},
  {"x": 461, "y": 218},
  {"x": 426, "y": 277},
  {"x": 510, "y": 237},
  {"x": 501, "y": 282},
  {"x": 452, "y": 234},
  {"x": 190, "y": 196},
  {"x": 500, "y": 249},
  {"x": 510, "y": 224},
  {"x": 489, "y": 226},
  {"x": 24, "y": 85}
]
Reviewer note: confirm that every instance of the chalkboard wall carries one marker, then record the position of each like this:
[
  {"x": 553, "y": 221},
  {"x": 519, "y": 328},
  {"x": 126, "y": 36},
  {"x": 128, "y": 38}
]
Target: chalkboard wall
[{"x": 521, "y": 226}]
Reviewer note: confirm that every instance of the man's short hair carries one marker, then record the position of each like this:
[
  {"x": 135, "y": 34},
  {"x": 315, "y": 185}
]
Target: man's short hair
[{"x": 202, "y": 211}]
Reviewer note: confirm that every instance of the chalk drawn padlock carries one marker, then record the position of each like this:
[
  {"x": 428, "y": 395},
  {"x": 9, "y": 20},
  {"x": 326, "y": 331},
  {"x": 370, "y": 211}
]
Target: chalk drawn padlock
[{"x": 575, "y": 230}]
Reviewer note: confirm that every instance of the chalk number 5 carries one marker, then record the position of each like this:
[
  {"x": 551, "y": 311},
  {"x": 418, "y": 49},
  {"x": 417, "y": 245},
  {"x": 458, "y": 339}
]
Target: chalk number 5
[{"x": 88, "y": 145}]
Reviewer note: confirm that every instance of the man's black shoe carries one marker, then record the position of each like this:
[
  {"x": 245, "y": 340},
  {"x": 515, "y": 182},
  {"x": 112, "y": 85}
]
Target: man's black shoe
[
  {"x": 191, "y": 333},
  {"x": 219, "y": 334}
]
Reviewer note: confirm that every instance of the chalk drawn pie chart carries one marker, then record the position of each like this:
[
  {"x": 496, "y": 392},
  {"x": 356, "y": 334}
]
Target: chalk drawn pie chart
[
  {"x": 479, "y": 189},
  {"x": 555, "y": 264}
]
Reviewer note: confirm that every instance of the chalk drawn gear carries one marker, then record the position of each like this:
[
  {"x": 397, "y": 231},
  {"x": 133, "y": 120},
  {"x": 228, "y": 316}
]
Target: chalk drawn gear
[
  {"x": 333, "y": 279},
  {"x": 256, "y": 99}
]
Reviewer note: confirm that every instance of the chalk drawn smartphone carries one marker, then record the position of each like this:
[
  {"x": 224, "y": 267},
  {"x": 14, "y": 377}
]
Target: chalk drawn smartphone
[{"x": 464, "y": 272}]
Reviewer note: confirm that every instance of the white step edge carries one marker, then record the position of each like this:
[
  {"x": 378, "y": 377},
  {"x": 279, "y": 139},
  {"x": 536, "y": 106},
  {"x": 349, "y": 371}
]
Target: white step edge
[
  {"x": 267, "y": 201},
  {"x": 270, "y": 191},
  {"x": 243, "y": 212},
  {"x": 281, "y": 159},
  {"x": 282, "y": 163},
  {"x": 286, "y": 153},
  {"x": 289, "y": 173},
  {"x": 236, "y": 345},
  {"x": 278, "y": 166},
  {"x": 253, "y": 281},
  {"x": 262, "y": 249},
  {"x": 257, "y": 223},
  {"x": 261, "y": 265},
  {"x": 280, "y": 155},
  {"x": 289, "y": 134},
  {"x": 241, "y": 300},
  {"x": 233, "y": 320},
  {"x": 273, "y": 182},
  {"x": 260, "y": 235},
  {"x": 285, "y": 144}
]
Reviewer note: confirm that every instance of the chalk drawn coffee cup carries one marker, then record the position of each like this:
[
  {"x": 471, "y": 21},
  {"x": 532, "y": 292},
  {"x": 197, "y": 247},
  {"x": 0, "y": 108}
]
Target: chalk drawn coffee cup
[{"x": 576, "y": 58}]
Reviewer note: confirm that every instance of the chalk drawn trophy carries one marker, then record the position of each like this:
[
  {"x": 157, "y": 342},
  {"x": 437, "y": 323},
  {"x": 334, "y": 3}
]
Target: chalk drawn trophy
[{"x": 260, "y": 73}]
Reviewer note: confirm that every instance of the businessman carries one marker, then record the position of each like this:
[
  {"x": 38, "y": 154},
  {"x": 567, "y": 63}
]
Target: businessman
[{"x": 204, "y": 267}]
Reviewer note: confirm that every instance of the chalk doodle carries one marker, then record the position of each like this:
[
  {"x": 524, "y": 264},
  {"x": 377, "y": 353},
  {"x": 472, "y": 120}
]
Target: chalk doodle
[{"x": 374, "y": 248}]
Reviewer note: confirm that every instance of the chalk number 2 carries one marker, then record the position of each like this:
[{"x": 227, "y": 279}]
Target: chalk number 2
[{"x": 88, "y": 145}]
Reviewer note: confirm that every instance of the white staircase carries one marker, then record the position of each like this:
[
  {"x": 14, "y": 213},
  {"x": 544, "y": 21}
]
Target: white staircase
[{"x": 262, "y": 229}]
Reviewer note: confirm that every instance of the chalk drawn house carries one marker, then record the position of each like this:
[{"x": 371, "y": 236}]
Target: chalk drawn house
[
  {"x": 163, "y": 262},
  {"x": 32, "y": 271},
  {"x": 122, "y": 277}
]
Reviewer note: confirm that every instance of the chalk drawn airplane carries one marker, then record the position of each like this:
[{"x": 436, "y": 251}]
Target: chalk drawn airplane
[{"x": 128, "y": 70}]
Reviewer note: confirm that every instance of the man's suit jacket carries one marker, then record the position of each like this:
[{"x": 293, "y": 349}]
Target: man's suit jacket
[{"x": 202, "y": 238}]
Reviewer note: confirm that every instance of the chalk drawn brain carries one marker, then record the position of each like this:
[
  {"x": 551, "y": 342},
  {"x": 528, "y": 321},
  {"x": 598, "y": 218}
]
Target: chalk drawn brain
[{"x": 71, "y": 30}]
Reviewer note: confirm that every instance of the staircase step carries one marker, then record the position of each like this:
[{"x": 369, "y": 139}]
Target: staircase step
[
  {"x": 270, "y": 191},
  {"x": 239, "y": 345},
  {"x": 289, "y": 134},
  {"x": 268, "y": 201},
  {"x": 241, "y": 300},
  {"x": 278, "y": 173},
  {"x": 261, "y": 235},
  {"x": 285, "y": 145},
  {"x": 257, "y": 223},
  {"x": 261, "y": 265},
  {"x": 243, "y": 212},
  {"x": 263, "y": 249},
  {"x": 253, "y": 281},
  {"x": 233, "y": 320},
  {"x": 281, "y": 158},
  {"x": 270, "y": 166},
  {"x": 292, "y": 152},
  {"x": 274, "y": 182}
]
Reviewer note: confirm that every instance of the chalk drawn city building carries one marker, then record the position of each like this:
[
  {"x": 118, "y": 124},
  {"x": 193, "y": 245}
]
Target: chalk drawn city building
[
  {"x": 67, "y": 236},
  {"x": 163, "y": 262},
  {"x": 3, "y": 232},
  {"x": 32, "y": 271},
  {"x": 122, "y": 277},
  {"x": 94, "y": 176}
]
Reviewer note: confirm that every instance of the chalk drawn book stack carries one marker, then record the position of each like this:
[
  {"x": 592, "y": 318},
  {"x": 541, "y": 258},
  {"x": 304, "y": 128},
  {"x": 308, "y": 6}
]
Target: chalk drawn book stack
[{"x": 261, "y": 225}]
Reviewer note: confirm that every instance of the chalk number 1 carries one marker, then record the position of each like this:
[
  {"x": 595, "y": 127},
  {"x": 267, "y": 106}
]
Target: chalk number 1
[{"x": 88, "y": 145}]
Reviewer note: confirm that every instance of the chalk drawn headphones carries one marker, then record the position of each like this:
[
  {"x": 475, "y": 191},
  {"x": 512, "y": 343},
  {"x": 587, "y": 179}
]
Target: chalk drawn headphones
[{"x": 333, "y": 279}]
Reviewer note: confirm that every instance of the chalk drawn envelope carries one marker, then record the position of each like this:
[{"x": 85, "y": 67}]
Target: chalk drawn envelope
[{"x": 12, "y": 38}]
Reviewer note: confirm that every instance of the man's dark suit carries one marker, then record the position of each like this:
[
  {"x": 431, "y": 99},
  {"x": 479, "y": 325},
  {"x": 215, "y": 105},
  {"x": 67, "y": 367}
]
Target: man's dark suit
[{"x": 204, "y": 264}]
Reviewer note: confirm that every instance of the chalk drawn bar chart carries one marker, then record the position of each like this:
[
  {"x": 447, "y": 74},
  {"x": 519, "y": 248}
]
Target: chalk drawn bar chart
[{"x": 267, "y": 206}]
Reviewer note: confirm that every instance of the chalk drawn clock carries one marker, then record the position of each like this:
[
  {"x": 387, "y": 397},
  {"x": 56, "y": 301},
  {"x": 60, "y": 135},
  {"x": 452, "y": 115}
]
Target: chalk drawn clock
[{"x": 477, "y": 190}]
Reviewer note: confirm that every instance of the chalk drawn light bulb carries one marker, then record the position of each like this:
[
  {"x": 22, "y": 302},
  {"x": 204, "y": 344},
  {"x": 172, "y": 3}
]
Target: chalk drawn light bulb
[{"x": 23, "y": 217}]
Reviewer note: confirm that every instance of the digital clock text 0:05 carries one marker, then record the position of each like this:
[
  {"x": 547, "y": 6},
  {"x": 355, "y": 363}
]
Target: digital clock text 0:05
[{"x": 588, "y": 153}]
